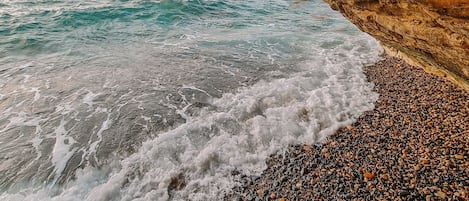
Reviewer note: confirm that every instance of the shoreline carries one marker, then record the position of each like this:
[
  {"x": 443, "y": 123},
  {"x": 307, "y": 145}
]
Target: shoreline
[{"x": 414, "y": 145}]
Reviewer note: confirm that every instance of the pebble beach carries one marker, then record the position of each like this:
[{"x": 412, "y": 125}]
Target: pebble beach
[{"x": 414, "y": 145}]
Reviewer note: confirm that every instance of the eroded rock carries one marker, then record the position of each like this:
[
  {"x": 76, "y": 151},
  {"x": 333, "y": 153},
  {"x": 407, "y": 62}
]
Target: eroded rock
[{"x": 431, "y": 33}]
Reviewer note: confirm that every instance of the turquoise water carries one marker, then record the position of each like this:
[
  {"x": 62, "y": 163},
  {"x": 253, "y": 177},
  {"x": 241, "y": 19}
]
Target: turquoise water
[
  {"x": 112, "y": 100},
  {"x": 44, "y": 27}
]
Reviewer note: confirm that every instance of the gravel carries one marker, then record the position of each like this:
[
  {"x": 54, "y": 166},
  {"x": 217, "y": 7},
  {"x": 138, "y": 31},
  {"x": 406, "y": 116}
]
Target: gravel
[{"x": 413, "y": 146}]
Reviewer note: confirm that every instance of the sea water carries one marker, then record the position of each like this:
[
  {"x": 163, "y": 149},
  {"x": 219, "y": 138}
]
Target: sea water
[{"x": 115, "y": 99}]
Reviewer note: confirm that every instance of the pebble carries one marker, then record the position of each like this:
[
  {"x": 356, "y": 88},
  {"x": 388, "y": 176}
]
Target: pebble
[
  {"x": 298, "y": 185},
  {"x": 384, "y": 177},
  {"x": 368, "y": 175},
  {"x": 260, "y": 192},
  {"x": 440, "y": 194},
  {"x": 273, "y": 196}
]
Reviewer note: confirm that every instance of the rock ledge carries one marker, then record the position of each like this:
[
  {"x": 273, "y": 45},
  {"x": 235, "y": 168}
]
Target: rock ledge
[{"x": 431, "y": 33}]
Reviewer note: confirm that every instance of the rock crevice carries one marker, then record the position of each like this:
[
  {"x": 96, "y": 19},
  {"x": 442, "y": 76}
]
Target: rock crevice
[{"x": 431, "y": 33}]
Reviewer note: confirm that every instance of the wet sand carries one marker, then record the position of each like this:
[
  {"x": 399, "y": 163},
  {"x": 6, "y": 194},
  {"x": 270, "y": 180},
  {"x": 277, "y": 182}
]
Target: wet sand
[{"x": 413, "y": 146}]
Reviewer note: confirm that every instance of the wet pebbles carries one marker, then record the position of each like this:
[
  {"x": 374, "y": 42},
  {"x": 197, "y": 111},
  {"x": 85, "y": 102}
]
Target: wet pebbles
[{"x": 413, "y": 146}]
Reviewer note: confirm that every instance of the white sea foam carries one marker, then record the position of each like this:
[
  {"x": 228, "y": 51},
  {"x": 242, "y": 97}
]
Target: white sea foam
[
  {"x": 89, "y": 97},
  {"x": 62, "y": 151},
  {"x": 237, "y": 132},
  {"x": 95, "y": 144},
  {"x": 97, "y": 102}
]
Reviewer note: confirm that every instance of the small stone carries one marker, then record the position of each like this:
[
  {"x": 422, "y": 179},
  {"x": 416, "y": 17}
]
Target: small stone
[
  {"x": 356, "y": 186},
  {"x": 425, "y": 161},
  {"x": 368, "y": 175},
  {"x": 461, "y": 193},
  {"x": 273, "y": 196},
  {"x": 177, "y": 183},
  {"x": 312, "y": 182},
  {"x": 349, "y": 155},
  {"x": 281, "y": 199},
  {"x": 426, "y": 191},
  {"x": 260, "y": 192},
  {"x": 306, "y": 148},
  {"x": 428, "y": 198},
  {"x": 327, "y": 155},
  {"x": 440, "y": 194},
  {"x": 298, "y": 185},
  {"x": 384, "y": 177},
  {"x": 460, "y": 157},
  {"x": 404, "y": 193},
  {"x": 417, "y": 167}
]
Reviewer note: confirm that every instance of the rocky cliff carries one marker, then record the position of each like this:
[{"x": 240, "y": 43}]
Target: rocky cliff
[{"x": 431, "y": 33}]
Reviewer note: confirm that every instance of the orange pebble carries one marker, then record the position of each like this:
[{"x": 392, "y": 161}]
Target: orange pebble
[{"x": 368, "y": 175}]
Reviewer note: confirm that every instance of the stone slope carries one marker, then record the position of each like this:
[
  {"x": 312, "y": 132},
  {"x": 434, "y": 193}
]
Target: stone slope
[{"x": 432, "y": 33}]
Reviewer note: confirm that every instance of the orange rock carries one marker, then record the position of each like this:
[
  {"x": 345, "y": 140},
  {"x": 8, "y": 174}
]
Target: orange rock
[
  {"x": 260, "y": 192},
  {"x": 281, "y": 199},
  {"x": 459, "y": 157},
  {"x": 368, "y": 175},
  {"x": 431, "y": 33},
  {"x": 425, "y": 161},
  {"x": 384, "y": 177},
  {"x": 306, "y": 148}
]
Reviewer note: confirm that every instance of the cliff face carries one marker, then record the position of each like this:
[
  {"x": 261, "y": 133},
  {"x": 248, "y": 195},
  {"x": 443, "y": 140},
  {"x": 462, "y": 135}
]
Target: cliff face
[{"x": 433, "y": 33}]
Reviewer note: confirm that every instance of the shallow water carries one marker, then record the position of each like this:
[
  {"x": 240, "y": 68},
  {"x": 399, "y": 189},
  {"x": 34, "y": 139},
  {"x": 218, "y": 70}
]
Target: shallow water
[{"x": 112, "y": 100}]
